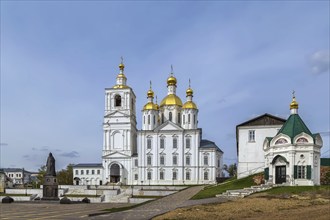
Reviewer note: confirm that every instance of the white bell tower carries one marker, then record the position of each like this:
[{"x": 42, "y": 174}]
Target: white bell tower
[{"x": 119, "y": 130}]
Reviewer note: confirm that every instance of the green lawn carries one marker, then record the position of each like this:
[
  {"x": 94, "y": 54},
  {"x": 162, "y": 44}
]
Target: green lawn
[
  {"x": 232, "y": 183},
  {"x": 298, "y": 189}
]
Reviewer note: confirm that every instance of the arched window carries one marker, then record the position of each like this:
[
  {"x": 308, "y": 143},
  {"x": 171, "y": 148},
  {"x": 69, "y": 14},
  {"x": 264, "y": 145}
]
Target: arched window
[
  {"x": 174, "y": 177},
  {"x": 162, "y": 118},
  {"x": 206, "y": 160},
  {"x": 161, "y": 175},
  {"x": 302, "y": 140},
  {"x": 149, "y": 160},
  {"x": 188, "y": 160},
  {"x": 162, "y": 160},
  {"x": 149, "y": 175},
  {"x": 117, "y": 101},
  {"x": 148, "y": 119},
  {"x": 188, "y": 118},
  {"x": 170, "y": 116},
  {"x": 206, "y": 175},
  {"x": 154, "y": 119},
  {"x": 187, "y": 142},
  {"x": 179, "y": 118},
  {"x": 175, "y": 142},
  {"x": 194, "y": 119},
  {"x": 149, "y": 143},
  {"x": 281, "y": 141},
  {"x": 188, "y": 175}
]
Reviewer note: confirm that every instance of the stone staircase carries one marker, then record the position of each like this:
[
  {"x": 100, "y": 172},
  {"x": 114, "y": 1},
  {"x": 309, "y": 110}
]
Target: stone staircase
[{"x": 241, "y": 193}]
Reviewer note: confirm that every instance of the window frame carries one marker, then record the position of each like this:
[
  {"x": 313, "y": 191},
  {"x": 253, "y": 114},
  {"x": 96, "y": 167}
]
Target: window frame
[{"x": 252, "y": 136}]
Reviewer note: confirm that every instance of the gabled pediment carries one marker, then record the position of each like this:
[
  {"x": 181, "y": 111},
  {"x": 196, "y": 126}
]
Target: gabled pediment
[
  {"x": 116, "y": 155},
  {"x": 168, "y": 126},
  {"x": 116, "y": 114}
]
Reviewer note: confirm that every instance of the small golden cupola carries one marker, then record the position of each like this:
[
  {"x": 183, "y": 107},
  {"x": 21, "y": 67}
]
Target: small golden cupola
[
  {"x": 171, "y": 98},
  {"x": 121, "y": 78},
  {"x": 189, "y": 104},
  {"x": 294, "y": 104},
  {"x": 150, "y": 96}
]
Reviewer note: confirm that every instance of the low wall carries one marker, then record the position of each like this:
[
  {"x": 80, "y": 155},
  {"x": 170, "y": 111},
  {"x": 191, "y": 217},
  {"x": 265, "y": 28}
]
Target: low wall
[
  {"x": 18, "y": 198},
  {"x": 92, "y": 199}
]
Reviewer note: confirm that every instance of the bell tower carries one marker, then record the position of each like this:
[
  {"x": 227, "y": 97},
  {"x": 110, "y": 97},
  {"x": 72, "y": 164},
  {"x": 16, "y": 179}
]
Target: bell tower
[{"x": 119, "y": 129}]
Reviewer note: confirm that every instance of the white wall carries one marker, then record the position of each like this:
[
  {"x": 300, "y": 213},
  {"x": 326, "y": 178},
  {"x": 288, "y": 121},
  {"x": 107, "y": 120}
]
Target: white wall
[{"x": 251, "y": 154}]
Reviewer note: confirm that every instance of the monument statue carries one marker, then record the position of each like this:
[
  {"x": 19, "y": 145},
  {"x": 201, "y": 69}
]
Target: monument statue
[
  {"x": 50, "y": 186},
  {"x": 50, "y": 166}
]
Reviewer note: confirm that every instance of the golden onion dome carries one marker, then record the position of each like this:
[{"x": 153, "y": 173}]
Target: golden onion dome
[
  {"x": 121, "y": 66},
  {"x": 150, "y": 93},
  {"x": 121, "y": 75},
  {"x": 189, "y": 92},
  {"x": 150, "y": 106},
  {"x": 294, "y": 103},
  {"x": 171, "y": 99},
  {"x": 171, "y": 81},
  {"x": 189, "y": 105}
]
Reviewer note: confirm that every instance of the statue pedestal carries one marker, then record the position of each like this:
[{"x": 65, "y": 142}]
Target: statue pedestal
[{"x": 50, "y": 188}]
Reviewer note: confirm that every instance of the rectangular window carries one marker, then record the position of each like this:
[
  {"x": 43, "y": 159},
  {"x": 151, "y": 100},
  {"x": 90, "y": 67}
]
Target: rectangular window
[
  {"x": 93, "y": 172},
  {"x": 154, "y": 119},
  {"x": 206, "y": 176},
  {"x": 175, "y": 160},
  {"x": 187, "y": 175},
  {"x": 162, "y": 143},
  {"x": 188, "y": 118},
  {"x": 149, "y": 143},
  {"x": 179, "y": 118},
  {"x": 161, "y": 175},
  {"x": 301, "y": 172},
  {"x": 136, "y": 162},
  {"x": 184, "y": 119},
  {"x": 82, "y": 172},
  {"x": 136, "y": 177},
  {"x": 98, "y": 171},
  {"x": 251, "y": 135},
  {"x": 162, "y": 160},
  {"x": 187, "y": 142},
  {"x": 149, "y": 160},
  {"x": 175, "y": 142},
  {"x": 149, "y": 175},
  {"x": 148, "y": 119},
  {"x": 174, "y": 177},
  {"x": 206, "y": 160},
  {"x": 187, "y": 160},
  {"x": 76, "y": 172}
]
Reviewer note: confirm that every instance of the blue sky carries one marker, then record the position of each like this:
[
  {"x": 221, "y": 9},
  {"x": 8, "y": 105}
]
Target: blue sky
[{"x": 244, "y": 58}]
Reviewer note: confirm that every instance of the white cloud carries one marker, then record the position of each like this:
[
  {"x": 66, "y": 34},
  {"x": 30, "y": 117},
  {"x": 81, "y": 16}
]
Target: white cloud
[{"x": 320, "y": 62}]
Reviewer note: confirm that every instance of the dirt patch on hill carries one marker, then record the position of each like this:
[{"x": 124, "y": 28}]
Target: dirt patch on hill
[{"x": 258, "y": 207}]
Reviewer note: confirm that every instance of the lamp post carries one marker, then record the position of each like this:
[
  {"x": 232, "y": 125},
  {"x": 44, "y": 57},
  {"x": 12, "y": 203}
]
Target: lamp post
[{"x": 141, "y": 184}]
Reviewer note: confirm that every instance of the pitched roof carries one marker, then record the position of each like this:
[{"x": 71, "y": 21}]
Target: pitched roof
[
  {"x": 87, "y": 165},
  {"x": 265, "y": 119},
  {"x": 209, "y": 144},
  {"x": 294, "y": 126}
]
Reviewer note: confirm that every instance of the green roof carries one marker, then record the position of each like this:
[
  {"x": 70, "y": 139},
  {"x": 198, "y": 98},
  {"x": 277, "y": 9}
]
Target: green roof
[{"x": 294, "y": 126}]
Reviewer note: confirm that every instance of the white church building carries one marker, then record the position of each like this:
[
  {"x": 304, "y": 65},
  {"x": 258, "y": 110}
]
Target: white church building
[{"x": 168, "y": 150}]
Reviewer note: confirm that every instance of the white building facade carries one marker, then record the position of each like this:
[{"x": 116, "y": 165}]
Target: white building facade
[
  {"x": 168, "y": 150},
  {"x": 292, "y": 156},
  {"x": 250, "y": 136}
]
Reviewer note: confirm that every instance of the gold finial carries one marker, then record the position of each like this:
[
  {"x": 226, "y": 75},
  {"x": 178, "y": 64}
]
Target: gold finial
[
  {"x": 150, "y": 93},
  {"x": 294, "y": 103},
  {"x": 189, "y": 91},
  {"x": 121, "y": 65}
]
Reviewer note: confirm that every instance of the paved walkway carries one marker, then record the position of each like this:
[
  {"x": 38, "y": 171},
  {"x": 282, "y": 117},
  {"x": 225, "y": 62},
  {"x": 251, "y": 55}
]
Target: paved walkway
[{"x": 161, "y": 206}]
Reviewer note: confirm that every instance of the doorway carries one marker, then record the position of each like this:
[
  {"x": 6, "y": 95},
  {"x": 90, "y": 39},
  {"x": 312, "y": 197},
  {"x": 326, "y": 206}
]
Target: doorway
[
  {"x": 114, "y": 173},
  {"x": 280, "y": 173}
]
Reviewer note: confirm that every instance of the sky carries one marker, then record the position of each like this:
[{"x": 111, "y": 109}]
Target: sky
[{"x": 244, "y": 59}]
